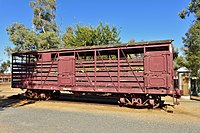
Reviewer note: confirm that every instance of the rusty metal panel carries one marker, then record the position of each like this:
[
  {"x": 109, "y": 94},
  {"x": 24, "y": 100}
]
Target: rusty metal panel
[
  {"x": 156, "y": 70},
  {"x": 66, "y": 71},
  {"x": 156, "y": 81},
  {"x": 155, "y": 63},
  {"x": 46, "y": 57}
]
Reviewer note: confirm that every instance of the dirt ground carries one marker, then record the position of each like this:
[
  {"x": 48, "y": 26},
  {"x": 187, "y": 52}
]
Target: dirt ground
[{"x": 188, "y": 110}]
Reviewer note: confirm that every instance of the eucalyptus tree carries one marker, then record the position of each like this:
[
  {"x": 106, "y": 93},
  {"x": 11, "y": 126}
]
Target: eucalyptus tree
[
  {"x": 191, "y": 40},
  {"x": 43, "y": 35}
]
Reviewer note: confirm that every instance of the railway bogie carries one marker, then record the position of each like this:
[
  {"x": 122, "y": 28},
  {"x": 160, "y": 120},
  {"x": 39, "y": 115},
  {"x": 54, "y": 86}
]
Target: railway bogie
[
  {"x": 41, "y": 94},
  {"x": 151, "y": 101}
]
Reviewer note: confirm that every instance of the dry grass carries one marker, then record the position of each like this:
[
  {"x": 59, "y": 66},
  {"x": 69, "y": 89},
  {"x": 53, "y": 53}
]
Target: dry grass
[{"x": 6, "y": 87}]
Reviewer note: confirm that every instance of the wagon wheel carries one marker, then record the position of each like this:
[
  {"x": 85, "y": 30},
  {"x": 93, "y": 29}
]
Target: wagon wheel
[
  {"x": 157, "y": 102},
  {"x": 56, "y": 94}
]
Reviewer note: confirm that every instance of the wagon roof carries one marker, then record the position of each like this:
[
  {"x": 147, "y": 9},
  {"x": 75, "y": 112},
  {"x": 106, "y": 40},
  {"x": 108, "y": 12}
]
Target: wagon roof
[{"x": 143, "y": 43}]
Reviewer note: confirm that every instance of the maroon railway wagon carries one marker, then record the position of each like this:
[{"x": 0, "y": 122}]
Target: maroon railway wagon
[{"x": 139, "y": 74}]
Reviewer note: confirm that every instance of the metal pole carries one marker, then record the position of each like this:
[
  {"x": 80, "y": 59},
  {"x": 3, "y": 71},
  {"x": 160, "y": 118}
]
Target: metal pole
[{"x": 179, "y": 81}]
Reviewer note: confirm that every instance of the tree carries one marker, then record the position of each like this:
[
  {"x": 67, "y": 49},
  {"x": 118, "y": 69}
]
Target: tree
[
  {"x": 179, "y": 62},
  {"x": 193, "y": 8},
  {"x": 191, "y": 40},
  {"x": 191, "y": 48},
  {"x": 22, "y": 37},
  {"x": 45, "y": 32},
  {"x": 90, "y": 35},
  {"x": 49, "y": 40},
  {"x": 68, "y": 37},
  {"x": 5, "y": 66},
  {"x": 106, "y": 34},
  {"x": 45, "y": 24},
  {"x": 44, "y": 15}
]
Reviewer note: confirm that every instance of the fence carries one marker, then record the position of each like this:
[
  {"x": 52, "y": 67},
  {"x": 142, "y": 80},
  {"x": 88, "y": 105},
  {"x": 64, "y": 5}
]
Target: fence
[{"x": 5, "y": 78}]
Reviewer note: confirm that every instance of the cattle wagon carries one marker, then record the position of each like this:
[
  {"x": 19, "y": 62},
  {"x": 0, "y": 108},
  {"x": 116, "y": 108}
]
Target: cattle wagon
[{"x": 139, "y": 74}]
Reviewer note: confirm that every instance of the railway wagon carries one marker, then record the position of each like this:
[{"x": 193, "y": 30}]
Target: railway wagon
[{"x": 139, "y": 74}]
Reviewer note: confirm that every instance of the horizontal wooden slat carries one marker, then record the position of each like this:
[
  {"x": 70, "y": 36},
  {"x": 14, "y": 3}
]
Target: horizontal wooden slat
[
  {"x": 34, "y": 74},
  {"x": 34, "y": 63},
  {"x": 35, "y": 71},
  {"x": 111, "y": 61},
  {"x": 39, "y": 82},
  {"x": 110, "y": 74},
  {"x": 35, "y": 78},
  {"x": 46, "y": 69},
  {"x": 17, "y": 82},
  {"x": 19, "y": 70},
  {"x": 109, "y": 69},
  {"x": 23, "y": 63},
  {"x": 109, "y": 84},
  {"x": 47, "y": 63},
  {"x": 133, "y": 79},
  {"x": 45, "y": 74},
  {"x": 44, "y": 78},
  {"x": 43, "y": 66},
  {"x": 110, "y": 65}
]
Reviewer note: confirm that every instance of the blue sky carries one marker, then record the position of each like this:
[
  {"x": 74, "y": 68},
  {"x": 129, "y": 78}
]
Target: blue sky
[{"x": 142, "y": 20}]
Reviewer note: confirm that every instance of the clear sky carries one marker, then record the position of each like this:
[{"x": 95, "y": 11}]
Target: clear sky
[{"x": 142, "y": 20}]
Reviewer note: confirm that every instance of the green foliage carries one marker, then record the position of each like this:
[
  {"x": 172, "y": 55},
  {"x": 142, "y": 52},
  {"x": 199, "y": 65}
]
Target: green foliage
[
  {"x": 175, "y": 54},
  {"x": 68, "y": 37},
  {"x": 106, "y": 34},
  {"x": 45, "y": 35},
  {"x": 84, "y": 36},
  {"x": 5, "y": 66},
  {"x": 179, "y": 62},
  {"x": 193, "y": 7},
  {"x": 191, "y": 40},
  {"x": 48, "y": 40},
  {"x": 44, "y": 15},
  {"x": 191, "y": 48},
  {"x": 89, "y": 35},
  {"x": 22, "y": 37}
]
